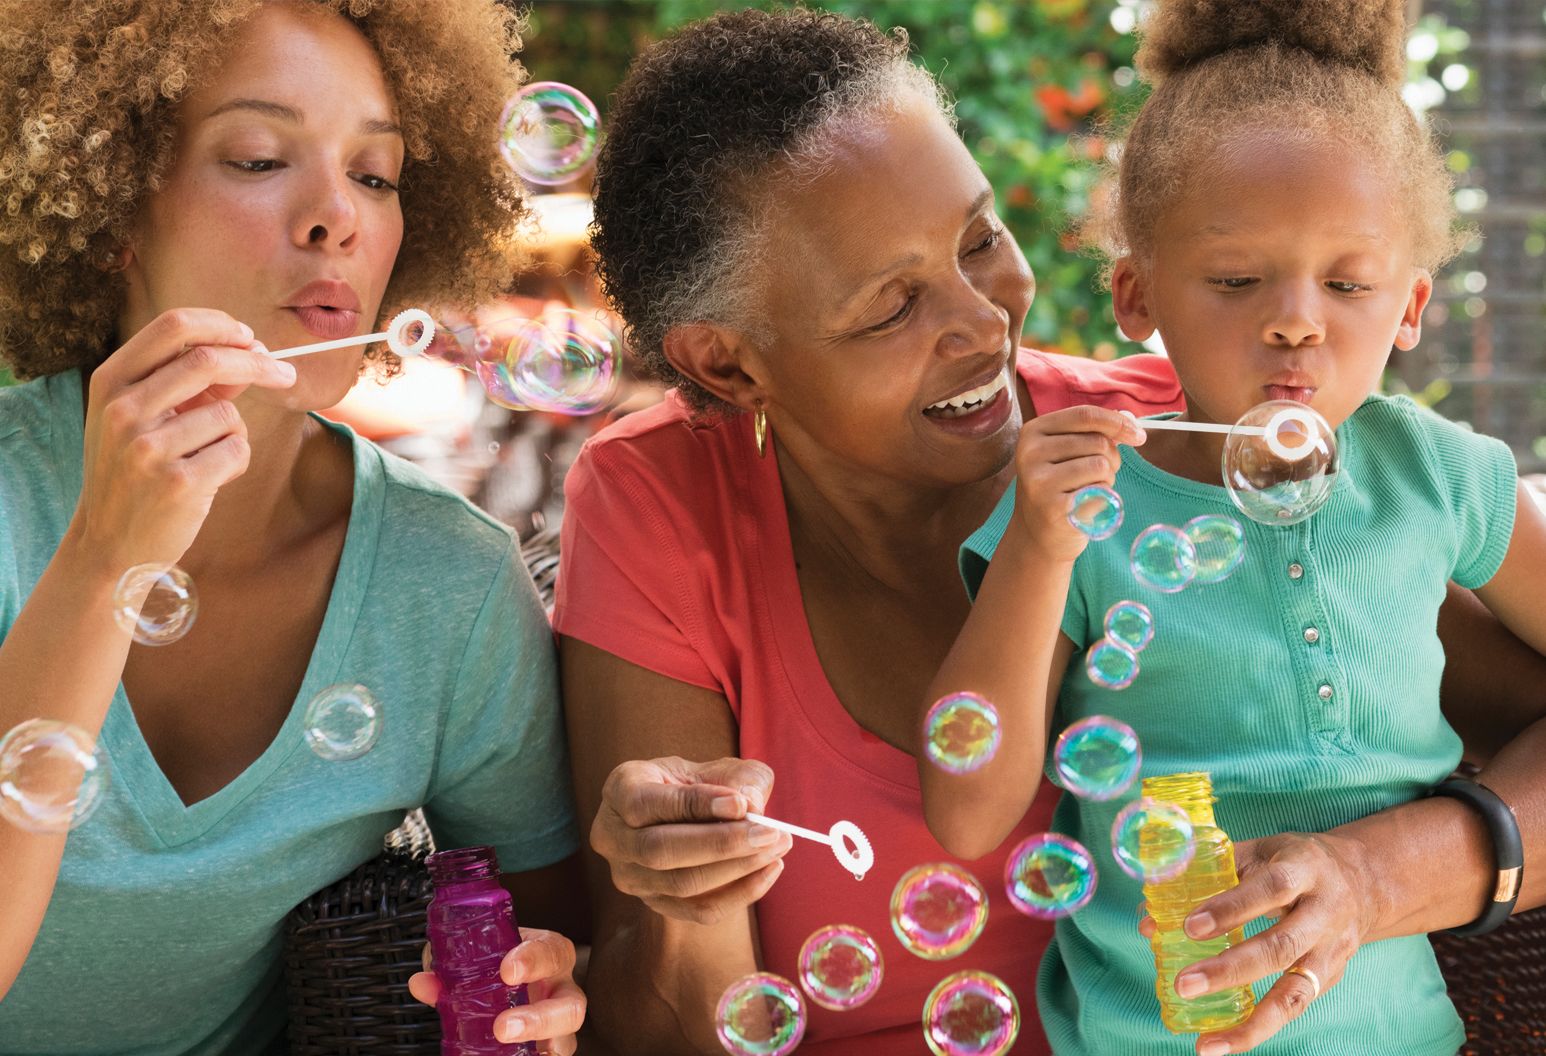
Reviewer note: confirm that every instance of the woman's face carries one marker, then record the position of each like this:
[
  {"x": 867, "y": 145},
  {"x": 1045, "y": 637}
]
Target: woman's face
[
  {"x": 893, "y": 288},
  {"x": 280, "y": 206}
]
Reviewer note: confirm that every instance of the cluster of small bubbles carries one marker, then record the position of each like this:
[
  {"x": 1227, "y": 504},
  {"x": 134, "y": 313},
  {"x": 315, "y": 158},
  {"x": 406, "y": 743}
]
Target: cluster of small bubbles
[
  {"x": 1096, "y": 511},
  {"x": 548, "y": 133},
  {"x": 840, "y": 967},
  {"x": 342, "y": 722},
  {"x": 761, "y": 1014},
  {"x": 1152, "y": 840},
  {"x": 566, "y": 363},
  {"x": 1098, "y": 758},
  {"x": 1164, "y": 558},
  {"x": 1220, "y": 545},
  {"x": 156, "y": 604},
  {"x": 938, "y": 910},
  {"x": 1049, "y": 876},
  {"x": 1280, "y": 462},
  {"x": 52, "y": 776},
  {"x": 1111, "y": 664},
  {"x": 1130, "y": 623},
  {"x": 961, "y": 733},
  {"x": 971, "y": 1014}
]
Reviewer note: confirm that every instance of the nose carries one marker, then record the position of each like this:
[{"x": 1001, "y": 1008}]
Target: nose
[
  {"x": 1294, "y": 319},
  {"x": 975, "y": 322},
  {"x": 325, "y": 214}
]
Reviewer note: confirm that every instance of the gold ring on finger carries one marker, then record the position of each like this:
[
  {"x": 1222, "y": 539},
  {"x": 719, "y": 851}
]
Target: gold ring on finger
[{"x": 1313, "y": 979}]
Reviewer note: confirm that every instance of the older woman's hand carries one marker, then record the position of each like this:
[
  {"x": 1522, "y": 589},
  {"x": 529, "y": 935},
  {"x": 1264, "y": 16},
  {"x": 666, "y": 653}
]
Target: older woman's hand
[
  {"x": 555, "y": 1008},
  {"x": 1318, "y": 889},
  {"x": 672, "y": 832}
]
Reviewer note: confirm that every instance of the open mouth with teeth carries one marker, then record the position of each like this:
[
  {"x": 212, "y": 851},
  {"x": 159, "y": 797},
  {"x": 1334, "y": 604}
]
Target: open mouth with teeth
[{"x": 970, "y": 401}]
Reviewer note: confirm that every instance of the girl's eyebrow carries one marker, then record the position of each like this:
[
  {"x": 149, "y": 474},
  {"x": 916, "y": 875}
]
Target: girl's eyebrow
[{"x": 279, "y": 111}]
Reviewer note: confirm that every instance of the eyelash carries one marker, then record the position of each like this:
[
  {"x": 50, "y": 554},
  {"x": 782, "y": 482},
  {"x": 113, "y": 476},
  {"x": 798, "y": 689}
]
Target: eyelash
[
  {"x": 252, "y": 166},
  {"x": 1227, "y": 284},
  {"x": 986, "y": 245}
]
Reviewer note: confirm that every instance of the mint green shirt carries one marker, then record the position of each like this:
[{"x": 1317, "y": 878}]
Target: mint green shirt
[
  {"x": 1301, "y": 731},
  {"x": 163, "y": 936}
]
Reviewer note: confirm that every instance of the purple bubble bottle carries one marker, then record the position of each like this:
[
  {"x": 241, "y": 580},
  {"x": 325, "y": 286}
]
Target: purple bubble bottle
[{"x": 471, "y": 928}]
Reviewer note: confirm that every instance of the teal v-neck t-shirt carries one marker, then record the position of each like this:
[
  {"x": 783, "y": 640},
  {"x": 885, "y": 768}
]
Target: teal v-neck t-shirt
[
  {"x": 163, "y": 935},
  {"x": 1307, "y": 683}
]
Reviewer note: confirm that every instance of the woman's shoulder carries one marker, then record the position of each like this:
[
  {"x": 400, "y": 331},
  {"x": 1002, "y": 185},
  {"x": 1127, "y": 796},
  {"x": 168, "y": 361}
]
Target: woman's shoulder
[
  {"x": 661, "y": 459},
  {"x": 1144, "y": 383}
]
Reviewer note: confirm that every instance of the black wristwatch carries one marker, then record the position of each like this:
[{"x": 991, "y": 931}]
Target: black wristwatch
[{"x": 1506, "y": 847}]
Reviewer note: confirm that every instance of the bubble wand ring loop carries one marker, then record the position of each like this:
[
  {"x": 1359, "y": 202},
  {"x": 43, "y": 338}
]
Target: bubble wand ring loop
[
  {"x": 395, "y": 335},
  {"x": 858, "y": 860}
]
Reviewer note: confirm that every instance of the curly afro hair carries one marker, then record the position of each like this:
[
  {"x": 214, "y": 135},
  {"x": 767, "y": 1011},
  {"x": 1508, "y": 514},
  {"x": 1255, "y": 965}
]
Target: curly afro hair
[
  {"x": 705, "y": 127},
  {"x": 88, "y": 98},
  {"x": 1312, "y": 70}
]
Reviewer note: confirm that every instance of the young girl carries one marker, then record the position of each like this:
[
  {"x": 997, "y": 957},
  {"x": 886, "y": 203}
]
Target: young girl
[{"x": 1280, "y": 211}]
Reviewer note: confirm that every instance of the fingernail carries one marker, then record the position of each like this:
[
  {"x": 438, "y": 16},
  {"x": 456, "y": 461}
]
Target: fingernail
[
  {"x": 286, "y": 371},
  {"x": 762, "y": 836},
  {"x": 1143, "y": 434},
  {"x": 246, "y": 331},
  {"x": 753, "y": 797},
  {"x": 1213, "y": 1048},
  {"x": 1190, "y": 984},
  {"x": 1199, "y": 925},
  {"x": 514, "y": 1027},
  {"x": 726, "y": 807}
]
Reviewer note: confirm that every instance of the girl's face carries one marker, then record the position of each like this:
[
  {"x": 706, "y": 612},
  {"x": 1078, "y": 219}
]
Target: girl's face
[
  {"x": 892, "y": 286},
  {"x": 280, "y": 206},
  {"x": 1287, "y": 274}
]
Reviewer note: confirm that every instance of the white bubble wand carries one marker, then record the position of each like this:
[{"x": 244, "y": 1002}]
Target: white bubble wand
[
  {"x": 859, "y": 858},
  {"x": 395, "y": 335},
  {"x": 1272, "y": 432}
]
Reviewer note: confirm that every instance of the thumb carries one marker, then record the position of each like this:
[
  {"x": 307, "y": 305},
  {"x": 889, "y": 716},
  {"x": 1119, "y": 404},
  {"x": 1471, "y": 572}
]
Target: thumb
[{"x": 750, "y": 777}]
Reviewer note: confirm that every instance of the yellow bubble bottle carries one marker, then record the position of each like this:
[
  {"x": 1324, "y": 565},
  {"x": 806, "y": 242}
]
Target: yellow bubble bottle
[{"x": 1212, "y": 870}]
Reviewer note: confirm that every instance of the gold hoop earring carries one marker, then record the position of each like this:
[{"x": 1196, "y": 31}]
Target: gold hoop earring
[{"x": 760, "y": 430}]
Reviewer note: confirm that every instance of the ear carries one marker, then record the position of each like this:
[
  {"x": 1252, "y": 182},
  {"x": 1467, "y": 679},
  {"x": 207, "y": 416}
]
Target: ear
[
  {"x": 1130, "y": 300},
  {"x": 717, "y": 358},
  {"x": 1411, "y": 329}
]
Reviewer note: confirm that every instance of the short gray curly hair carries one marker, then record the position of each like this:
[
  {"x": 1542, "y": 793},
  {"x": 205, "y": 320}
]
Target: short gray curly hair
[{"x": 702, "y": 122}]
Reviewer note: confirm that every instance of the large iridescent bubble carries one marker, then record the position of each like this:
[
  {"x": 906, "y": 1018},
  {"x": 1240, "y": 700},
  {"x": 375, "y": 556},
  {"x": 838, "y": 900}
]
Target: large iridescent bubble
[
  {"x": 1153, "y": 840},
  {"x": 343, "y": 722},
  {"x": 840, "y": 967},
  {"x": 961, "y": 733},
  {"x": 52, "y": 776},
  {"x": 1096, "y": 511},
  {"x": 1097, "y": 757},
  {"x": 155, "y": 603},
  {"x": 1049, "y": 876},
  {"x": 1220, "y": 543},
  {"x": 761, "y": 1014},
  {"x": 1163, "y": 558},
  {"x": 566, "y": 363},
  {"x": 1280, "y": 462},
  {"x": 971, "y": 1014},
  {"x": 548, "y": 133},
  {"x": 938, "y": 910}
]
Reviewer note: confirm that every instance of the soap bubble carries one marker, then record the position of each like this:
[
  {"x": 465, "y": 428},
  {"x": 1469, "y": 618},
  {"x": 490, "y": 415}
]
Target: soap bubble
[
  {"x": 1152, "y": 840},
  {"x": 971, "y": 1014},
  {"x": 1220, "y": 544},
  {"x": 498, "y": 385},
  {"x": 761, "y": 1014},
  {"x": 961, "y": 733},
  {"x": 548, "y": 133},
  {"x": 1288, "y": 473},
  {"x": 1164, "y": 558},
  {"x": 1111, "y": 664},
  {"x": 1130, "y": 623},
  {"x": 52, "y": 776},
  {"x": 1096, "y": 511},
  {"x": 156, "y": 604},
  {"x": 343, "y": 722},
  {"x": 938, "y": 910},
  {"x": 566, "y": 363},
  {"x": 840, "y": 967},
  {"x": 1049, "y": 876},
  {"x": 1098, "y": 757}
]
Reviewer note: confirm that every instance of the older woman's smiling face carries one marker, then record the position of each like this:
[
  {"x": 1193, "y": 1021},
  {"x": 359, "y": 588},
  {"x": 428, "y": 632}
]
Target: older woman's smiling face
[{"x": 892, "y": 292}]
